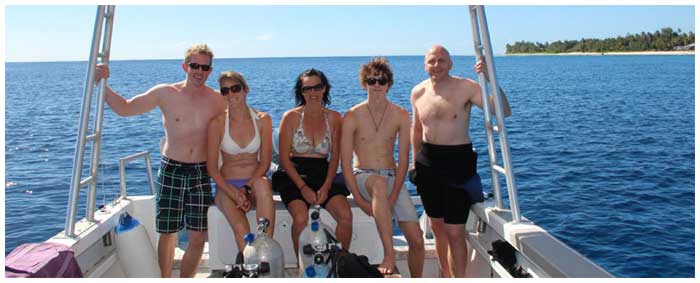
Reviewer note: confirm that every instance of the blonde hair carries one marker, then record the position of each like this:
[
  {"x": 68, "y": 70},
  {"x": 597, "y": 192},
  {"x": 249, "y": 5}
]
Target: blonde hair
[{"x": 198, "y": 49}]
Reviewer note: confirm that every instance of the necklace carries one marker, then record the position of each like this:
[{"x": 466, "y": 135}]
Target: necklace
[{"x": 376, "y": 126}]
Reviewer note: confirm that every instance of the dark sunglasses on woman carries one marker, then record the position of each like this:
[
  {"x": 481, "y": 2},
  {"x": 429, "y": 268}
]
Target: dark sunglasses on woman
[
  {"x": 233, "y": 88},
  {"x": 317, "y": 87}
]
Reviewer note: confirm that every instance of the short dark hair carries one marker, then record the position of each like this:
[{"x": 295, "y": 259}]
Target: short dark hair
[{"x": 299, "y": 97}]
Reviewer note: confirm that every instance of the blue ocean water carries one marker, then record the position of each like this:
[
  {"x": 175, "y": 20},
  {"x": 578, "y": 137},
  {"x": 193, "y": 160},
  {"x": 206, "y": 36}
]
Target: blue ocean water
[{"x": 602, "y": 146}]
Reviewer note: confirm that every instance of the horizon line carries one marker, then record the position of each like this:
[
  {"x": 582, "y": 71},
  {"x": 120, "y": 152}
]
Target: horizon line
[{"x": 215, "y": 58}]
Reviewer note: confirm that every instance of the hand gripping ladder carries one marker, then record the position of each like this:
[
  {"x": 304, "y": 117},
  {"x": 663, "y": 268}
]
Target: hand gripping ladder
[
  {"x": 103, "y": 23},
  {"x": 482, "y": 48}
]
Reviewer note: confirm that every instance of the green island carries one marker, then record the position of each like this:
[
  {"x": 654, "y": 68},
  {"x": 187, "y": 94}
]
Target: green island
[{"x": 665, "y": 40}]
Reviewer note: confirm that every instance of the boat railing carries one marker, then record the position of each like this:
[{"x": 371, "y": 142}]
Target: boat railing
[
  {"x": 101, "y": 34},
  {"x": 122, "y": 172},
  {"x": 482, "y": 48}
]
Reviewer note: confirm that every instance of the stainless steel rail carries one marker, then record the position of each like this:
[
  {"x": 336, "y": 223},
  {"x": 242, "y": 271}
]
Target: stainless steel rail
[
  {"x": 103, "y": 23},
  {"x": 482, "y": 48},
  {"x": 122, "y": 171}
]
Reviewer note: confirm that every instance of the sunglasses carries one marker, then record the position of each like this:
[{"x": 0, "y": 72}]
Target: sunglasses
[
  {"x": 372, "y": 81},
  {"x": 196, "y": 66},
  {"x": 317, "y": 87},
  {"x": 233, "y": 88}
]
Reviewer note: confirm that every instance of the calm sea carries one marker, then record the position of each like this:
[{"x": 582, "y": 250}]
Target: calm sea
[{"x": 602, "y": 146}]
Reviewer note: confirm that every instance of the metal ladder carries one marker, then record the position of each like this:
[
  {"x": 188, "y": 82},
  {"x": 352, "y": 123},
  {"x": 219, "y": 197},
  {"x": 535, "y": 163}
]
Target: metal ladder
[
  {"x": 482, "y": 48},
  {"x": 102, "y": 33}
]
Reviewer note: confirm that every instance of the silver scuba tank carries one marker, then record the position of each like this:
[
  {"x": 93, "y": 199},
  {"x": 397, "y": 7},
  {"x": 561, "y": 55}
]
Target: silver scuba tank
[{"x": 269, "y": 250}]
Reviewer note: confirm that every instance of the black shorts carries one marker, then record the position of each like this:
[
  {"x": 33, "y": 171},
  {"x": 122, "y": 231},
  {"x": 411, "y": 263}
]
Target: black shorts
[
  {"x": 313, "y": 171},
  {"x": 184, "y": 194},
  {"x": 440, "y": 177}
]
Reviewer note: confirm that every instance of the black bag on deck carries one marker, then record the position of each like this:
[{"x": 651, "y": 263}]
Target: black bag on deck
[
  {"x": 345, "y": 264},
  {"x": 350, "y": 265}
]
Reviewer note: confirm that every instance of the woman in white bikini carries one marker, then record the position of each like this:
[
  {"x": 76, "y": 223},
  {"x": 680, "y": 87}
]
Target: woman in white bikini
[
  {"x": 239, "y": 171},
  {"x": 309, "y": 147}
]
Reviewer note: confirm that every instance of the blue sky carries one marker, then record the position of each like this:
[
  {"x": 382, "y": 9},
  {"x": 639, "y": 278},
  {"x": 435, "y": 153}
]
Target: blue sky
[{"x": 63, "y": 33}]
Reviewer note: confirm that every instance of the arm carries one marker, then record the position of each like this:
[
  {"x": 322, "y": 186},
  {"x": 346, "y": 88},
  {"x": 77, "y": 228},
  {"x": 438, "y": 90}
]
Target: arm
[
  {"x": 136, "y": 105},
  {"x": 416, "y": 129},
  {"x": 265, "y": 127},
  {"x": 336, "y": 124},
  {"x": 476, "y": 97},
  {"x": 506, "y": 105},
  {"x": 404, "y": 144},
  {"x": 346, "y": 149}
]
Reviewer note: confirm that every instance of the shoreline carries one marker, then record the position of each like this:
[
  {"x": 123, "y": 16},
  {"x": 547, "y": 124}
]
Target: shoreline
[{"x": 689, "y": 52}]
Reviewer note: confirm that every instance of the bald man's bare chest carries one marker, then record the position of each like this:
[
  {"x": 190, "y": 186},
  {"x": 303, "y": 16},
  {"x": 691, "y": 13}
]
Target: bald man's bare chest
[{"x": 435, "y": 108}]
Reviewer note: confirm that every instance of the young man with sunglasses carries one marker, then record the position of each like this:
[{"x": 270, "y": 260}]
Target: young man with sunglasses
[
  {"x": 184, "y": 193},
  {"x": 443, "y": 158},
  {"x": 370, "y": 130}
]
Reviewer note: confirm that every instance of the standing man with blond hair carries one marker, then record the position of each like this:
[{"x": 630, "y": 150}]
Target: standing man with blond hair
[
  {"x": 184, "y": 187},
  {"x": 442, "y": 154}
]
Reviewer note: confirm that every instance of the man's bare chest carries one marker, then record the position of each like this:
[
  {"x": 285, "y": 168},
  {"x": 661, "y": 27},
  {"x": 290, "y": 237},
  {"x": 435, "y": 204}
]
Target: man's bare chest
[
  {"x": 438, "y": 108},
  {"x": 189, "y": 110}
]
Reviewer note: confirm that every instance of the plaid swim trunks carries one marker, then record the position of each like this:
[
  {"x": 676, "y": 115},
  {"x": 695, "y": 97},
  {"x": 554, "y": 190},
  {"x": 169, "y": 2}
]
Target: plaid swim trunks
[{"x": 184, "y": 193}]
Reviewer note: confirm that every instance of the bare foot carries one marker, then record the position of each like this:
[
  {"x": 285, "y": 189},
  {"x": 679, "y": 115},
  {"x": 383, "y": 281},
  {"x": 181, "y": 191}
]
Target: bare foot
[{"x": 387, "y": 267}]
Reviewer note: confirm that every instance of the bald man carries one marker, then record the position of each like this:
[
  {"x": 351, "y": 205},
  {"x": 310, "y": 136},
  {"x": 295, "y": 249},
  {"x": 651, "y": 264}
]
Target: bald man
[{"x": 443, "y": 158}]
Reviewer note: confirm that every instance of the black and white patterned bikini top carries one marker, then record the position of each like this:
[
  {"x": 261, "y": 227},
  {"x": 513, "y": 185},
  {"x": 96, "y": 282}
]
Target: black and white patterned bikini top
[{"x": 302, "y": 145}]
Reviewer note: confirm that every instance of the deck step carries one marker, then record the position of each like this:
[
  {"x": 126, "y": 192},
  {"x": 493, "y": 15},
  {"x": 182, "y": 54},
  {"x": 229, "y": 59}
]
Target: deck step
[{"x": 400, "y": 247}]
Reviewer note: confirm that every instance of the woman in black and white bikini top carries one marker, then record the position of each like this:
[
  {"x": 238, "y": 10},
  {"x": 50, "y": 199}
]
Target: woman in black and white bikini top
[
  {"x": 303, "y": 146},
  {"x": 309, "y": 144},
  {"x": 239, "y": 171}
]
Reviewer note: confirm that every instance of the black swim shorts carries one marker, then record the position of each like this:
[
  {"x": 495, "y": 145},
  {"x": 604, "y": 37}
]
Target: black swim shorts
[
  {"x": 313, "y": 171},
  {"x": 440, "y": 177},
  {"x": 184, "y": 193}
]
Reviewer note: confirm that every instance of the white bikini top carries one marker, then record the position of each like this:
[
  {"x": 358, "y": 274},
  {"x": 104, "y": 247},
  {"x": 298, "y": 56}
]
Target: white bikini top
[{"x": 230, "y": 146}]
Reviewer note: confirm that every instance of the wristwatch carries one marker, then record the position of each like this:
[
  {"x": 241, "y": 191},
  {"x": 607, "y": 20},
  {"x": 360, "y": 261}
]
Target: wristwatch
[{"x": 247, "y": 188}]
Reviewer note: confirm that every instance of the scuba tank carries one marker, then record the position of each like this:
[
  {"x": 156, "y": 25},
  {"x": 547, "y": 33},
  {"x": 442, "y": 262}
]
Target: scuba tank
[
  {"x": 262, "y": 256},
  {"x": 251, "y": 259},
  {"x": 315, "y": 246},
  {"x": 268, "y": 250},
  {"x": 318, "y": 269},
  {"x": 248, "y": 264}
]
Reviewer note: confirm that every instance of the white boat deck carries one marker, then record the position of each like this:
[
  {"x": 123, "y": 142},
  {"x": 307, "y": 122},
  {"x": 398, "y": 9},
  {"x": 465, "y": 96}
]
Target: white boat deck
[
  {"x": 430, "y": 269},
  {"x": 101, "y": 254}
]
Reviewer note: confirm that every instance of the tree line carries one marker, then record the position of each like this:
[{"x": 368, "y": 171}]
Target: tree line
[{"x": 664, "y": 39}]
